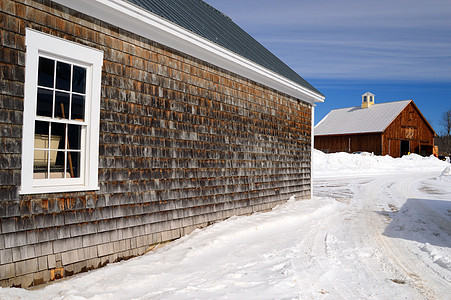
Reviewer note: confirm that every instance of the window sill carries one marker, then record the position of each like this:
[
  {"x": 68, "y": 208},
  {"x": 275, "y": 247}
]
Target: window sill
[{"x": 57, "y": 189}]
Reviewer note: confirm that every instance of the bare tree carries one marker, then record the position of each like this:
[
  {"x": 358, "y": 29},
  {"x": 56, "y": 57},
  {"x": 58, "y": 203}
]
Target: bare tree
[{"x": 445, "y": 121}]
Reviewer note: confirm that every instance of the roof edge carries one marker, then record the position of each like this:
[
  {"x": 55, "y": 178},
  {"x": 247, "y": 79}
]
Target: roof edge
[
  {"x": 424, "y": 119},
  {"x": 147, "y": 24},
  {"x": 419, "y": 112},
  {"x": 322, "y": 120},
  {"x": 391, "y": 122},
  {"x": 351, "y": 133},
  {"x": 375, "y": 104}
]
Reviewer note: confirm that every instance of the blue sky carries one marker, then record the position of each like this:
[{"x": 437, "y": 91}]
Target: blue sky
[{"x": 397, "y": 50}]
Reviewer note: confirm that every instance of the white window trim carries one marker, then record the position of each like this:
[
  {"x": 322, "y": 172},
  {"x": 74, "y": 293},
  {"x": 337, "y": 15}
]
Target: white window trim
[{"x": 39, "y": 43}]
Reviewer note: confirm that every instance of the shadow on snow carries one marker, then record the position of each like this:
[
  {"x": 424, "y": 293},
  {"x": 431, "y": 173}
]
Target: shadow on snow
[{"x": 421, "y": 220}]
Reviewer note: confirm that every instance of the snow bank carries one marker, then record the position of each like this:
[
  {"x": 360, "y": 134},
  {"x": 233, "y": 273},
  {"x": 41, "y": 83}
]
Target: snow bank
[
  {"x": 437, "y": 258},
  {"x": 446, "y": 175},
  {"x": 342, "y": 163}
]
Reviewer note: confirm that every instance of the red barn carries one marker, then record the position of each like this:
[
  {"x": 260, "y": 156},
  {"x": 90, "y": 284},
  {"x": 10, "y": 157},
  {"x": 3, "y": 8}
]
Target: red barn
[{"x": 392, "y": 128}]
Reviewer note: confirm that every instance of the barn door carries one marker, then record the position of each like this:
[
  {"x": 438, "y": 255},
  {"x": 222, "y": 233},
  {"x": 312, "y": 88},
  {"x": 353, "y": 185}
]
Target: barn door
[{"x": 405, "y": 147}]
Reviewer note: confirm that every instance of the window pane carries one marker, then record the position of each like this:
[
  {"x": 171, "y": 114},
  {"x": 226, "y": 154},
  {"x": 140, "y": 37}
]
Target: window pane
[
  {"x": 79, "y": 80},
  {"x": 62, "y": 105},
  {"x": 46, "y": 72},
  {"x": 41, "y": 135},
  {"x": 74, "y": 136},
  {"x": 58, "y": 136},
  {"x": 63, "y": 76},
  {"x": 78, "y": 107},
  {"x": 57, "y": 161},
  {"x": 44, "y": 103},
  {"x": 73, "y": 164},
  {"x": 40, "y": 164}
]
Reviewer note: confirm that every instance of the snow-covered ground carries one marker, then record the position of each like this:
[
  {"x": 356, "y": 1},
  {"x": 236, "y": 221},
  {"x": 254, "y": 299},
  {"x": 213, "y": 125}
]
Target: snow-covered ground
[{"x": 377, "y": 228}]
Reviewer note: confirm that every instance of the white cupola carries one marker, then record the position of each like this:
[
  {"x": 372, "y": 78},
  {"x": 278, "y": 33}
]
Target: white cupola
[{"x": 367, "y": 100}]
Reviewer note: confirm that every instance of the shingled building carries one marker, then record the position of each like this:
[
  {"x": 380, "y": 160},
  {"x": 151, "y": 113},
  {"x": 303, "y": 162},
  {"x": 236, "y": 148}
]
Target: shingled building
[{"x": 124, "y": 124}]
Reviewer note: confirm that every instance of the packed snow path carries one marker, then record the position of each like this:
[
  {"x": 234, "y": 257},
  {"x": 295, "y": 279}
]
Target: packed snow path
[
  {"x": 394, "y": 233},
  {"x": 368, "y": 233}
]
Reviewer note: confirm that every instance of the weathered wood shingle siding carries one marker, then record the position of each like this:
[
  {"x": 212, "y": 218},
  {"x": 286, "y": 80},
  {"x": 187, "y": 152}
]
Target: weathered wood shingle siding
[{"x": 182, "y": 144}]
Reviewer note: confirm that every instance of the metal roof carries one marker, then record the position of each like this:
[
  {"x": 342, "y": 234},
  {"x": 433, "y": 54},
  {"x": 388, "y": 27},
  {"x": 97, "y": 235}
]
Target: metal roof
[
  {"x": 353, "y": 120},
  {"x": 208, "y": 22}
]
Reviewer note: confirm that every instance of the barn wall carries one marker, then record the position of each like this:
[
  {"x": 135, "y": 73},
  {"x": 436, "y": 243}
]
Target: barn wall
[
  {"x": 409, "y": 126},
  {"x": 349, "y": 143},
  {"x": 182, "y": 144}
]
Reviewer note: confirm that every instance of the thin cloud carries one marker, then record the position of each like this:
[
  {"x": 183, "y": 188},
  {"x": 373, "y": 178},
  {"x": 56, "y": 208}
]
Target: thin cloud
[
  {"x": 402, "y": 40},
  {"x": 338, "y": 13}
]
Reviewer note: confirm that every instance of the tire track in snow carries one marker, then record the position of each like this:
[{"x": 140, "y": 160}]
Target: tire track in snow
[{"x": 399, "y": 253}]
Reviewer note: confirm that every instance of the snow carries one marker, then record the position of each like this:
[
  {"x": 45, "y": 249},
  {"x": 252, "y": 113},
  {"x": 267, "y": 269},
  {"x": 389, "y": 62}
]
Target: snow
[
  {"x": 377, "y": 227},
  {"x": 368, "y": 163},
  {"x": 446, "y": 175}
]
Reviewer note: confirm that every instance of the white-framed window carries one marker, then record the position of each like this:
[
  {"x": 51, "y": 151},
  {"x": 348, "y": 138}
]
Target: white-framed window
[{"x": 61, "y": 115}]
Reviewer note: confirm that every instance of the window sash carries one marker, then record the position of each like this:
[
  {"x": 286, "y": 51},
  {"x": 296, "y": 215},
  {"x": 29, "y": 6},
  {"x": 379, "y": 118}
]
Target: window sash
[
  {"x": 47, "y": 149},
  {"x": 57, "y": 160}
]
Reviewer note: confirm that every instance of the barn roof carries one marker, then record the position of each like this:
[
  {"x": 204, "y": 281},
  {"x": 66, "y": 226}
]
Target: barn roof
[
  {"x": 352, "y": 120},
  {"x": 208, "y": 22}
]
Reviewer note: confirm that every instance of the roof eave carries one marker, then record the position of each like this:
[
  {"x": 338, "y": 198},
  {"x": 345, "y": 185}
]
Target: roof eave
[
  {"x": 391, "y": 122},
  {"x": 424, "y": 119},
  {"x": 144, "y": 23},
  {"x": 349, "y": 133}
]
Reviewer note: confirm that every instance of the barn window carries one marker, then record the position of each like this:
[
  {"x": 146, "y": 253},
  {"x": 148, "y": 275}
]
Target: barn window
[{"x": 61, "y": 115}]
